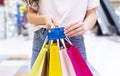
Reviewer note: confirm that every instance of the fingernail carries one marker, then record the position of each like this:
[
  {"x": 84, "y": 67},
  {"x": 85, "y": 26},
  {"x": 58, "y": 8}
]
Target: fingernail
[{"x": 65, "y": 32}]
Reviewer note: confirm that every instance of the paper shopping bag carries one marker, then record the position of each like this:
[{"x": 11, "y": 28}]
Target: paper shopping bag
[
  {"x": 56, "y": 33},
  {"x": 40, "y": 66},
  {"x": 47, "y": 63},
  {"x": 54, "y": 65},
  {"x": 78, "y": 62},
  {"x": 67, "y": 67}
]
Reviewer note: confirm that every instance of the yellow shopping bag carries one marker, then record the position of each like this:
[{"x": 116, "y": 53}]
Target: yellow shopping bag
[
  {"x": 39, "y": 68},
  {"x": 54, "y": 65}
]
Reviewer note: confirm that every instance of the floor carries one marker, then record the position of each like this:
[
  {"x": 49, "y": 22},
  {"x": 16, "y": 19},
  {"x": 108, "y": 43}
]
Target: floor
[{"x": 104, "y": 53}]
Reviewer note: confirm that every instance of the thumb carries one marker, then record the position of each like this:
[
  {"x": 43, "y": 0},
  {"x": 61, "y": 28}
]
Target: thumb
[{"x": 56, "y": 24}]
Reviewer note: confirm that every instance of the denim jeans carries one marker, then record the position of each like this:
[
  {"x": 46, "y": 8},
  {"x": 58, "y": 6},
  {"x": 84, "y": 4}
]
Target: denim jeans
[{"x": 39, "y": 37}]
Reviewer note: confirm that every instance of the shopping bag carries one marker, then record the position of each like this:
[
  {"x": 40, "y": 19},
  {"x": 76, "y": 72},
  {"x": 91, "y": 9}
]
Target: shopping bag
[
  {"x": 66, "y": 64},
  {"x": 67, "y": 68},
  {"x": 40, "y": 66},
  {"x": 56, "y": 33},
  {"x": 80, "y": 66},
  {"x": 47, "y": 63},
  {"x": 54, "y": 64}
]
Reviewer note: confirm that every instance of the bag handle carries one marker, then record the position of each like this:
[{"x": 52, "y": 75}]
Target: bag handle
[
  {"x": 68, "y": 40},
  {"x": 45, "y": 42},
  {"x": 63, "y": 42}
]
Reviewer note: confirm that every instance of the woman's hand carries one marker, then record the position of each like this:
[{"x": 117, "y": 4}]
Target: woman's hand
[
  {"x": 79, "y": 28},
  {"x": 75, "y": 29},
  {"x": 37, "y": 19},
  {"x": 50, "y": 22}
]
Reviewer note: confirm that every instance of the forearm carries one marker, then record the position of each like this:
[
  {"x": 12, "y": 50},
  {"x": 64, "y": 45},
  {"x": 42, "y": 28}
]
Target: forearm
[
  {"x": 36, "y": 19},
  {"x": 90, "y": 19}
]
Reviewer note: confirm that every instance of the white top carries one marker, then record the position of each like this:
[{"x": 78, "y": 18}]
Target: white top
[{"x": 66, "y": 11}]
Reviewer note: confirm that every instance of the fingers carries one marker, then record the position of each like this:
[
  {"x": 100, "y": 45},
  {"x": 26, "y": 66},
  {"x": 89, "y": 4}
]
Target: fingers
[
  {"x": 56, "y": 24},
  {"x": 69, "y": 27},
  {"x": 80, "y": 33},
  {"x": 51, "y": 22},
  {"x": 75, "y": 29},
  {"x": 75, "y": 32},
  {"x": 48, "y": 26}
]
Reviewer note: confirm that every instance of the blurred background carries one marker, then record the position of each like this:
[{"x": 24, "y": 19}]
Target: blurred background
[{"x": 16, "y": 34}]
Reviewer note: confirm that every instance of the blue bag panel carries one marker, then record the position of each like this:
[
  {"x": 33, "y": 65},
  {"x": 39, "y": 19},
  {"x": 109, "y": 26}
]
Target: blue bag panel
[{"x": 56, "y": 33}]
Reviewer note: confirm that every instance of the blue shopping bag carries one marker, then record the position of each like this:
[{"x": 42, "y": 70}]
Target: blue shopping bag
[{"x": 56, "y": 33}]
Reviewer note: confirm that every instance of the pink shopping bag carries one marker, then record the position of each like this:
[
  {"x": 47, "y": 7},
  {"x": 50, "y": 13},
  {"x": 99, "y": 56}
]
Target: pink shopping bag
[
  {"x": 66, "y": 64},
  {"x": 80, "y": 66}
]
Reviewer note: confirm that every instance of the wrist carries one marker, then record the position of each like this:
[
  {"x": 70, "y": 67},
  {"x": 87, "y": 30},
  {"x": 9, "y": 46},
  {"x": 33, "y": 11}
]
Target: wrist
[{"x": 86, "y": 26}]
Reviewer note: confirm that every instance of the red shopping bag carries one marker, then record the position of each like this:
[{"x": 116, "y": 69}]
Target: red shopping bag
[{"x": 80, "y": 66}]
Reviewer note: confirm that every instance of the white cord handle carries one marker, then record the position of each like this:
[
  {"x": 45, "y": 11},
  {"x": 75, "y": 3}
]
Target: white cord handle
[{"x": 68, "y": 40}]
